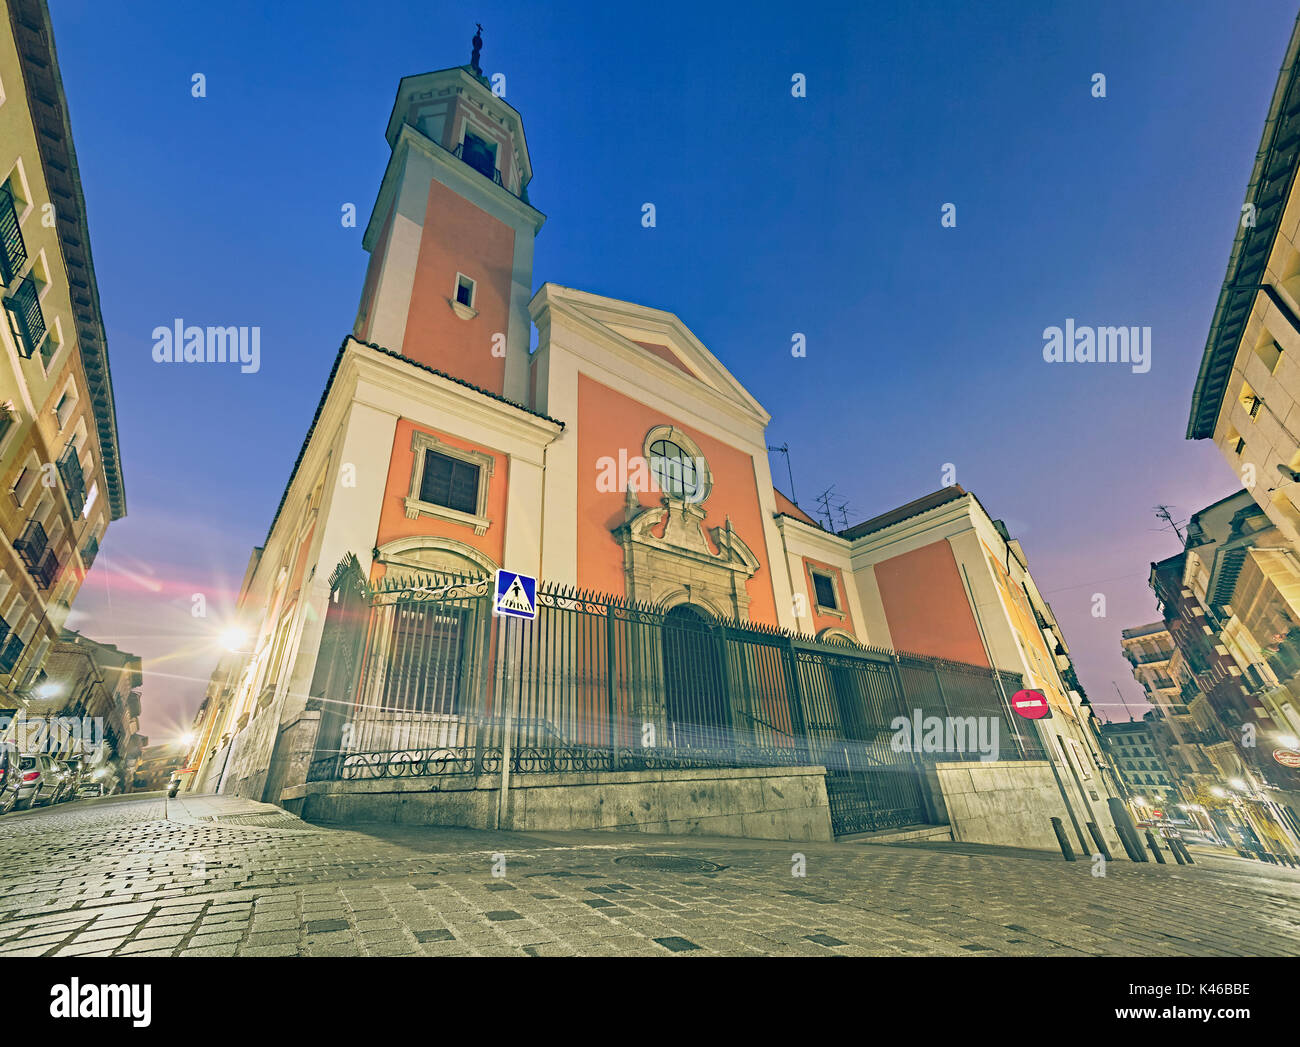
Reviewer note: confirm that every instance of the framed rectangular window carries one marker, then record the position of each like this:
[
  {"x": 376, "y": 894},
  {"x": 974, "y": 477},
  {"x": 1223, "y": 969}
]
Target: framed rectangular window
[
  {"x": 824, "y": 588},
  {"x": 464, "y": 290},
  {"x": 449, "y": 482},
  {"x": 26, "y": 481},
  {"x": 66, "y": 405},
  {"x": 8, "y": 419}
]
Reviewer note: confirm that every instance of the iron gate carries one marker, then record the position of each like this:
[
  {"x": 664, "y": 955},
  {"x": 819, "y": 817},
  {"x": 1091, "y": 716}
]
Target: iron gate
[{"x": 411, "y": 682}]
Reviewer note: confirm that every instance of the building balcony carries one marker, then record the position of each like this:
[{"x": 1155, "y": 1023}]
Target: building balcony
[
  {"x": 32, "y": 544},
  {"x": 26, "y": 317},
  {"x": 48, "y": 571},
  {"x": 485, "y": 164},
  {"x": 89, "y": 551},
  {"x": 10, "y": 651},
  {"x": 74, "y": 483}
]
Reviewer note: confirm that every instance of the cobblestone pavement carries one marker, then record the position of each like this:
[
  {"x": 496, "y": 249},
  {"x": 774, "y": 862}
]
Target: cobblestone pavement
[{"x": 218, "y": 876}]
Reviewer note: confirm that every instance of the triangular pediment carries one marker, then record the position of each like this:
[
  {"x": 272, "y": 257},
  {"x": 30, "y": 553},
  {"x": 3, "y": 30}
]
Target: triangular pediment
[{"x": 657, "y": 339}]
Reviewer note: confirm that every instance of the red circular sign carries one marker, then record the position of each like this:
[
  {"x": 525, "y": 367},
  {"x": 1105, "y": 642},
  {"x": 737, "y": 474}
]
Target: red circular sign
[
  {"x": 1287, "y": 757},
  {"x": 1029, "y": 704}
]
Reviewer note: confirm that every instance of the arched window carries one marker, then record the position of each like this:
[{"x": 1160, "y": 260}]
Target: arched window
[{"x": 677, "y": 465}]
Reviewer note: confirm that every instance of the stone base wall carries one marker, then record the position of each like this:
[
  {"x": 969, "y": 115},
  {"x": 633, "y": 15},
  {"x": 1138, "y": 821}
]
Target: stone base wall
[
  {"x": 250, "y": 756},
  {"x": 294, "y": 750},
  {"x": 1011, "y": 803},
  {"x": 786, "y": 803}
]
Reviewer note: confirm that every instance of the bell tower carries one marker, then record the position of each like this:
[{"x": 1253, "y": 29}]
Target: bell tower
[{"x": 451, "y": 234}]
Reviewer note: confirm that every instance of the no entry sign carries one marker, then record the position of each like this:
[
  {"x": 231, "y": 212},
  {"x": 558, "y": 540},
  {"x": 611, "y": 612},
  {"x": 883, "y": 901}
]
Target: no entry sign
[
  {"x": 1287, "y": 757},
  {"x": 1029, "y": 704}
]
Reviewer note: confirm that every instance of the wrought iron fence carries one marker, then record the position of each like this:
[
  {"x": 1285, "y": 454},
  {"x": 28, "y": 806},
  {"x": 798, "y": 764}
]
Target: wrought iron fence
[{"x": 416, "y": 677}]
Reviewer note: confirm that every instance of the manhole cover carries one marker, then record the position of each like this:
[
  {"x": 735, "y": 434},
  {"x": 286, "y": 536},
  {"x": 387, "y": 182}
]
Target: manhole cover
[{"x": 668, "y": 862}]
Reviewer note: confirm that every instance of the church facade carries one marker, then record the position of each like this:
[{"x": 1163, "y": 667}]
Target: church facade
[{"x": 619, "y": 459}]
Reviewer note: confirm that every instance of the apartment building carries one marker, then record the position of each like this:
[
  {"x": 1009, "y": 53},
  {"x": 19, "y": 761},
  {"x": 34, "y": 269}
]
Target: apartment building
[
  {"x": 86, "y": 679},
  {"x": 1136, "y": 755},
  {"x": 60, "y": 468},
  {"x": 1158, "y": 665},
  {"x": 1247, "y": 393}
]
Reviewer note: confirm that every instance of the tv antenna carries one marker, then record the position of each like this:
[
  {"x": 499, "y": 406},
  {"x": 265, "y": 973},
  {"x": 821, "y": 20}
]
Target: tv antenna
[
  {"x": 1165, "y": 513},
  {"x": 785, "y": 450},
  {"x": 832, "y": 506}
]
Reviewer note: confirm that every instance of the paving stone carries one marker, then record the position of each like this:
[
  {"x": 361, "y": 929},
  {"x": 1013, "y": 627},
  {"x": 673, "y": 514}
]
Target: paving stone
[{"x": 397, "y": 890}]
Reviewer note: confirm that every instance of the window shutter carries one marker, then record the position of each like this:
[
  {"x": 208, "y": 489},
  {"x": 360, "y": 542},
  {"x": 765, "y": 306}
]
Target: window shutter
[{"x": 13, "y": 252}]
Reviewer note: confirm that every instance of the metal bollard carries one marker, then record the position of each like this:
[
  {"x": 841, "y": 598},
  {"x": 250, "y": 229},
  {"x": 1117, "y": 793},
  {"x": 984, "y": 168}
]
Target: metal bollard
[
  {"x": 1099, "y": 840},
  {"x": 1172, "y": 844},
  {"x": 1187, "y": 855},
  {"x": 1127, "y": 831},
  {"x": 1062, "y": 839},
  {"x": 1155, "y": 848}
]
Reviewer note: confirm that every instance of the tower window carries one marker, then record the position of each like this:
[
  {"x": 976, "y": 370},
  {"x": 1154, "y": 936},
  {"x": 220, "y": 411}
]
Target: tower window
[
  {"x": 481, "y": 156},
  {"x": 465, "y": 290},
  {"x": 449, "y": 482}
]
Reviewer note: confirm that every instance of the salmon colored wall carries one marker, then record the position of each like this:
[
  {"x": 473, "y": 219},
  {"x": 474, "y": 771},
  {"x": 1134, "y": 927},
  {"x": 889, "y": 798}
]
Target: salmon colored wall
[
  {"x": 608, "y": 421},
  {"x": 393, "y": 523},
  {"x": 926, "y": 606},
  {"x": 460, "y": 238},
  {"x": 828, "y": 621}
]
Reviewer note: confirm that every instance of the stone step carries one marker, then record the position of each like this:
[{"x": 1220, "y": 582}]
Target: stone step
[{"x": 900, "y": 835}]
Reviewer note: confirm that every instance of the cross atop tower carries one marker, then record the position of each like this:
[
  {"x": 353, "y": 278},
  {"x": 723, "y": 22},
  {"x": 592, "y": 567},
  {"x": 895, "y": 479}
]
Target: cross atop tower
[{"x": 475, "y": 68}]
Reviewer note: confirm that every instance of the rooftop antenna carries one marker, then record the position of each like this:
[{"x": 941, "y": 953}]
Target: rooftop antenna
[
  {"x": 824, "y": 500},
  {"x": 1121, "y": 700},
  {"x": 475, "y": 68},
  {"x": 843, "y": 509},
  {"x": 1165, "y": 513},
  {"x": 785, "y": 450}
]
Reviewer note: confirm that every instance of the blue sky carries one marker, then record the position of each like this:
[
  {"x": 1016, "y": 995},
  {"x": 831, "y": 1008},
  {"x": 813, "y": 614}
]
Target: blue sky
[{"x": 775, "y": 215}]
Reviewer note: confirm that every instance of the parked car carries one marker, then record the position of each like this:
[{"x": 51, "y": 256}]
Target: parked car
[
  {"x": 72, "y": 776},
  {"x": 10, "y": 777},
  {"x": 1202, "y": 837},
  {"x": 42, "y": 780},
  {"x": 90, "y": 789}
]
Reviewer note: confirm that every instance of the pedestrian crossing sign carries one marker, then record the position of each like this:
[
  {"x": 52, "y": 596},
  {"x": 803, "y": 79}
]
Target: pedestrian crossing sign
[{"x": 516, "y": 595}]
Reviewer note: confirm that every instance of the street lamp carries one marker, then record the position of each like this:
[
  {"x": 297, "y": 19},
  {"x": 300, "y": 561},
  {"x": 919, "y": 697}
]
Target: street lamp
[{"x": 234, "y": 639}]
